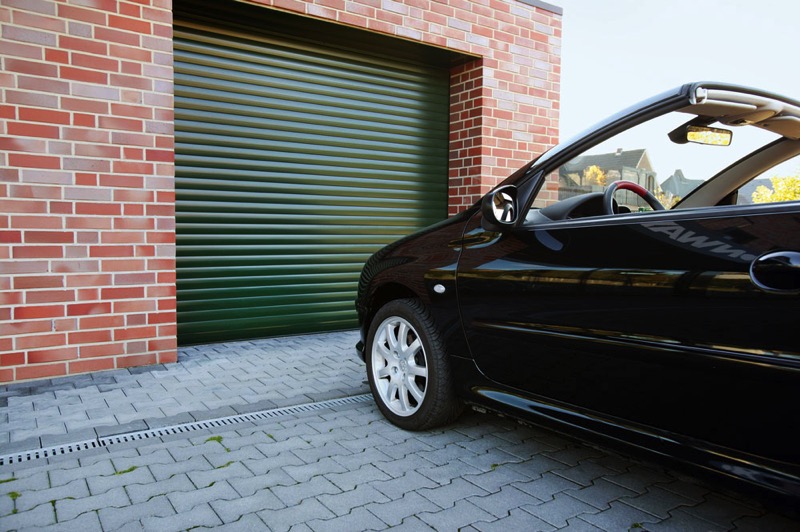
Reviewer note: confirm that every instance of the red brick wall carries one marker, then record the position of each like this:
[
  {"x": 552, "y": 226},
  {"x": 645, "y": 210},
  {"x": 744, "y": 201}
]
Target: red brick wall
[
  {"x": 87, "y": 258},
  {"x": 504, "y": 105},
  {"x": 87, "y": 228}
]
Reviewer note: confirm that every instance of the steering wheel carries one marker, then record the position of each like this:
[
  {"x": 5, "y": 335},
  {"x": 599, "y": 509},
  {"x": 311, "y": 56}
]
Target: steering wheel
[{"x": 639, "y": 190}]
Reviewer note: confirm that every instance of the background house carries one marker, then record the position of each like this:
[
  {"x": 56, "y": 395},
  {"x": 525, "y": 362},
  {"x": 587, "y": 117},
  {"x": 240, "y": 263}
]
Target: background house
[
  {"x": 593, "y": 172},
  {"x": 201, "y": 171}
]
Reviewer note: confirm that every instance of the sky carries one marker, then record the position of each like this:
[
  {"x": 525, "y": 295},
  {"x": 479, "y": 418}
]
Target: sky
[{"x": 618, "y": 52}]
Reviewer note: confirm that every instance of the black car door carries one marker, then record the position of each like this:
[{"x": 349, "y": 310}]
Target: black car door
[{"x": 648, "y": 320}]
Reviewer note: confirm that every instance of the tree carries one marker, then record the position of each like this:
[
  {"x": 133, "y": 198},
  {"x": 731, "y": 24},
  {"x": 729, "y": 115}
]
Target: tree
[
  {"x": 594, "y": 175},
  {"x": 786, "y": 188}
]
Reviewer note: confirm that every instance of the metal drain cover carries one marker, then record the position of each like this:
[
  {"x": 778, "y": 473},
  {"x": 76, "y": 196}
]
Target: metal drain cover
[{"x": 183, "y": 428}]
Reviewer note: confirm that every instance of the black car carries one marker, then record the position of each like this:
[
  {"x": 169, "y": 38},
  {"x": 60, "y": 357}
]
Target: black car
[{"x": 639, "y": 283}]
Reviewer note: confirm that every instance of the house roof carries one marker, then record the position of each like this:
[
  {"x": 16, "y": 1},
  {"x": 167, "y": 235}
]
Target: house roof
[
  {"x": 679, "y": 185},
  {"x": 614, "y": 160}
]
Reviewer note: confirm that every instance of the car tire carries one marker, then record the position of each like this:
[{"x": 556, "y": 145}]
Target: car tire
[{"x": 408, "y": 369}]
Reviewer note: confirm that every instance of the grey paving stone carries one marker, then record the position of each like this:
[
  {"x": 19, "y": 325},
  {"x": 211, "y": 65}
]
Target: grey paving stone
[
  {"x": 410, "y": 482},
  {"x": 343, "y": 503},
  {"x": 234, "y": 509},
  {"x": 492, "y": 481},
  {"x": 410, "y": 446},
  {"x": 358, "y": 519},
  {"x": 244, "y": 441},
  {"x": 284, "y": 519},
  {"x": 547, "y": 487},
  {"x": 516, "y": 519},
  {"x": 278, "y": 442},
  {"x": 503, "y": 502},
  {"x": 6, "y": 503},
  {"x": 121, "y": 477},
  {"x": 86, "y": 522},
  {"x": 771, "y": 522},
  {"x": 197, "y": 447},
  {"x": 486, "y": 443},
  {"x": 573, "y": 454},
  {"x": 461, "y": 514},
  {"x": 489, "y": 461},
  {"x": 271, "y": 463},
  {"x": 304, "y": 472},
  {"x": 113, "y": 518},
  {"x": 350, "y": 479},
  {"x": 183, "y": 501},
  {"x": 247, "y": 523},
  {"x": 60, "y": 476},
  {"x": 35, "y": 518},
  {"x": 446, "y": 496},
  {"x": 213, "y": 412},
  {"x": 579, "y": 525},
  {"x": 317, "y": 453},
  {"x": 560, "y": 509},
  {"x": 140, "y": 493},
  {"x": 190, "y": 464},
  {"x": 585, "y": 473},
  {"x": 395, "y": 511},
  {"x": 658, "y": 501},
  {"x": 444, "y": 474},
  {"x": 29, "y": 499},
  {"x": 679, "y": 520},
  {"x": 251, "y": 485},
  {"x": 124, "y": 428},
  {"x": 69, "y": 509},
  {"x": 200, "y": 516},
  {"x": 638, "y": 478},
  {"x": 366, "y": 457},
  {"x": 221, "y": 473},
  {"x": 23, "y": 444},
  {"x": 601, "y": 493},
  {"x": 370, "y": 441},
  {"x": 295, "y": 494},
  {"x": 412, "y": 524},
  {"x": 19, "y": 481},
  {"x": 721, "y": 510},
  {"x": 445, "y": 455},
  {"x": 236, "y": 453},
  {"x": 117, "y": 454},
  {"x": 51, "y": 440}
]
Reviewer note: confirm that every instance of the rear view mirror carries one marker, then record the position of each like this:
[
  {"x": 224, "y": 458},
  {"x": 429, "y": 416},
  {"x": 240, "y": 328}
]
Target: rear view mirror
[
  {"x": 712, "y": 136},
  {"x": 499, "y": 208},
  {"x": 699, "y": 134}
]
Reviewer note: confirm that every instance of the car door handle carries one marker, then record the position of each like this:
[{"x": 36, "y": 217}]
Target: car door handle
[{"x": 777, "y": 271}]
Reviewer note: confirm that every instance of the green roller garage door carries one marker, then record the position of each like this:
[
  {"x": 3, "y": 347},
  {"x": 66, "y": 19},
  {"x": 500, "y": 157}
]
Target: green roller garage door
[{"x": 294, "y": 162}]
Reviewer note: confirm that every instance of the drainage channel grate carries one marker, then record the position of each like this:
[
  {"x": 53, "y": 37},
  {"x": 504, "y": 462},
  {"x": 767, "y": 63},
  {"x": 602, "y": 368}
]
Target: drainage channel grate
[{"x": 183, "y": 428}]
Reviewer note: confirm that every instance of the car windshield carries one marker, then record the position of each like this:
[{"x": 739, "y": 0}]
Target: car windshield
[{"x": 674, "y": 154}]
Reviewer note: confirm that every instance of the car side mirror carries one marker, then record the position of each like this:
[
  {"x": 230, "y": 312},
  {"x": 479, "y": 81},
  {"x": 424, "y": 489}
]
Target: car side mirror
[{"x": 499, "y": 208}]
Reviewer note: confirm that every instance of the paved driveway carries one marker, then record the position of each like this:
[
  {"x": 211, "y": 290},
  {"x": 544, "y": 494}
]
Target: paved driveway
[{"x": 278, "y": 434}]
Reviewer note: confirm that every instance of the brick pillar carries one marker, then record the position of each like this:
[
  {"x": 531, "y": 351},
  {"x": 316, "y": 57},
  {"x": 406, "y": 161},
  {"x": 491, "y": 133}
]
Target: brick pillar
[{"x": 87, "y": 238}]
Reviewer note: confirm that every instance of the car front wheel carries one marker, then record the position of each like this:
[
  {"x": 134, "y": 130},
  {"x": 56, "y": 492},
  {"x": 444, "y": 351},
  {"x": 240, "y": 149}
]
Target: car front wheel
[{"x": 407, "y": 368}]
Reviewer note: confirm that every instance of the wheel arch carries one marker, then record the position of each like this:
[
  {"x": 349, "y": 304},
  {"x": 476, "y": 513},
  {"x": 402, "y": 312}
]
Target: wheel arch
[{"x": 383, "y": 295}]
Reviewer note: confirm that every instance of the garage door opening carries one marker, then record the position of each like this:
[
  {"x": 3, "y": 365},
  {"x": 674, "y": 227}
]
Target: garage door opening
[{"x": 295, "y": 160}]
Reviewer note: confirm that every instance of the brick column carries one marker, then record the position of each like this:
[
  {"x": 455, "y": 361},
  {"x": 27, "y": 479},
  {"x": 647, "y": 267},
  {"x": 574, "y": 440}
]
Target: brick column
[{"x": 87, "y": 239}]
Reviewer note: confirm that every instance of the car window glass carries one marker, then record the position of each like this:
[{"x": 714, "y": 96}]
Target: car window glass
[
  {"x": 776, "y": 185},
  {"x": 646, "y": 156}
]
